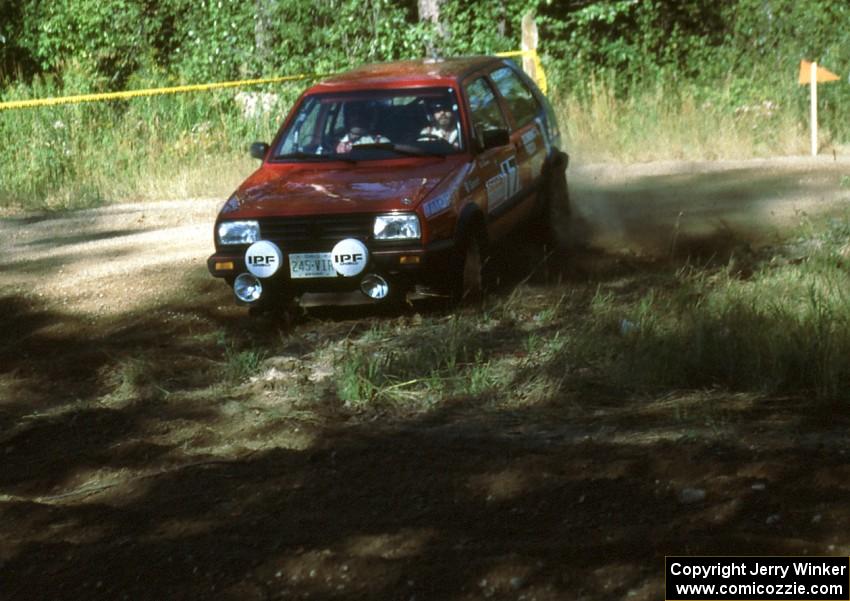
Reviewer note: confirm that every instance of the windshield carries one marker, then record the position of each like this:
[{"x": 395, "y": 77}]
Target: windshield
[{"x": 372, "y": 125}]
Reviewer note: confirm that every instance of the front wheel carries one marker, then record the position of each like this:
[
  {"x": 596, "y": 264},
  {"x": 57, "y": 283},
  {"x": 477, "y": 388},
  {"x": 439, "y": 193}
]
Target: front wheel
[
  {"x": 274, "y": 304},
  {"x": 468, "y": 284}
]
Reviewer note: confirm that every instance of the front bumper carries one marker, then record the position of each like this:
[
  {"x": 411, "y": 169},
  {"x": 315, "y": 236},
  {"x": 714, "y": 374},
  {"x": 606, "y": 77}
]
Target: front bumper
[{"x": 405, "y": 267}]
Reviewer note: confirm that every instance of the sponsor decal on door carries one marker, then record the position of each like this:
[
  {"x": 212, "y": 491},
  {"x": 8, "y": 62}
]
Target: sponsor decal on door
[{"x": 503, "y": 186}]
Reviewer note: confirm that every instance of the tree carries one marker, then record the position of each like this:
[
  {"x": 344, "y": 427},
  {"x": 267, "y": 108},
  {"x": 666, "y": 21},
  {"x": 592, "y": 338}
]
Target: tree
[
  {"x": 264, "y": 11},
  {"x": 429, "y": 12}
]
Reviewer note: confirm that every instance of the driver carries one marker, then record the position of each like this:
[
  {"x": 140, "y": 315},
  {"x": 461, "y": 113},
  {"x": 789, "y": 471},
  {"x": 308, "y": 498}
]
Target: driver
[
  {"x": 442, "y": 123},
  {"x": 358, "y": 133}
]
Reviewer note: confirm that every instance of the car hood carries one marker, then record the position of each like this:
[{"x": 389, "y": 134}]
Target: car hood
[{"x": 286, "y": 190}]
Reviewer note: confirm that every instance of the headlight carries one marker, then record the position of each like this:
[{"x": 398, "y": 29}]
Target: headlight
[
  {"x": 238, "y": 232},
  {"x": 397, "y": 227}
]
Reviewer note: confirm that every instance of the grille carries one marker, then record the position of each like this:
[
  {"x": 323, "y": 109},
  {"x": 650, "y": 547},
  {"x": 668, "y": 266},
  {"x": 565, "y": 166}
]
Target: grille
[{"x": 322, "y": 228}]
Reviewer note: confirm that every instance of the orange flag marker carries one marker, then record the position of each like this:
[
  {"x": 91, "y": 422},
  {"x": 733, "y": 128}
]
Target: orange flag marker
[{"x": 823, "y": 75}]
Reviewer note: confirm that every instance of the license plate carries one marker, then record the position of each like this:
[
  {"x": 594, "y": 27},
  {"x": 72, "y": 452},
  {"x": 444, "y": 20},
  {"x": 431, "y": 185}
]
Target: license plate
[{"x": 311, "y": 265}]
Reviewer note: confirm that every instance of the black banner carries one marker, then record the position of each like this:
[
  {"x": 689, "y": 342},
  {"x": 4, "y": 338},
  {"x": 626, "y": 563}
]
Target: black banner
[{"x": 757, "y": 578}]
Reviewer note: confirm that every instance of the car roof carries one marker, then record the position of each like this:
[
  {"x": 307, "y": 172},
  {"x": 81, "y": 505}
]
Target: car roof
[{"x": 412, "y": 72}]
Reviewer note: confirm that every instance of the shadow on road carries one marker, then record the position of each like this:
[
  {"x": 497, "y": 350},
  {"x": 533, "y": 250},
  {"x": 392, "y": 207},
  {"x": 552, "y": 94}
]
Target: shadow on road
[{"x": 442, "y": 508}]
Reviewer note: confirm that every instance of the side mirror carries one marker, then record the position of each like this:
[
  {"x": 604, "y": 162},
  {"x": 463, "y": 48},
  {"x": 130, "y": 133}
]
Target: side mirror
[
  {"x": 491, "y": 138},
  {"x": 259, "y": 150}
]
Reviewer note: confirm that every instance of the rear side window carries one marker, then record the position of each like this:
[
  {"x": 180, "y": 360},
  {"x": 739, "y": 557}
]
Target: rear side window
[
  {"x": 518, "y": 97},
  {"x": 484, "y": 108}
]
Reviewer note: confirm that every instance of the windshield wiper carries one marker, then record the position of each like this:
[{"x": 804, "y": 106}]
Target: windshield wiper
[
  {"x": 405, "y": 149},
  {"x": 314, "y": 157}
]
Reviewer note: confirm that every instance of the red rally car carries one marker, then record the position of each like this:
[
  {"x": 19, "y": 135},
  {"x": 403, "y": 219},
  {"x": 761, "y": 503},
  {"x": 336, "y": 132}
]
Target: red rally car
[{"x": 390, "y": 180}]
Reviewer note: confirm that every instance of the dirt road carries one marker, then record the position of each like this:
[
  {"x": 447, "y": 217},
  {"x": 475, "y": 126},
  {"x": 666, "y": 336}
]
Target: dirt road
[
  {"x": 142, "y": 461},
  {"x": 143, "y": 254}
]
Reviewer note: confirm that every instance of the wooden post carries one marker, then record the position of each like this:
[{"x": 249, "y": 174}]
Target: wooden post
[
  {"x": 811, "y": 74},
  {"x": 529, "y": 42},
  {"x": 814, "y": 106}
]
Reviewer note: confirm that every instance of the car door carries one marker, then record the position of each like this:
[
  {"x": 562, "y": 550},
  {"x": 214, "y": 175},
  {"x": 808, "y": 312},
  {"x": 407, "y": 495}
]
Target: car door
[
  {"x": 528, "y": 137},
  {"x": 495, "y": 171}
]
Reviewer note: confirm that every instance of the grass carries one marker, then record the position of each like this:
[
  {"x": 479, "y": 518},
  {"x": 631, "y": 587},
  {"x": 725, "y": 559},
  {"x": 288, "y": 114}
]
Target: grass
[
  {"x": 132, "y": 379},
  {"x": 448, "y": 358},
  {"x": 78, "y": 156},
  {"x": 239, "y": 363},
  {"x": 782, "y": 330},
  {"x": 195, "y": 145},
  {"x": 785, "y": 329},
  {"x": 500, "y": 356},
  {"x": 675, "y": 120}
]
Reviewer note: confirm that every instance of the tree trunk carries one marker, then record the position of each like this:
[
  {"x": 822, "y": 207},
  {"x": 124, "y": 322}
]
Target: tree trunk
[
  {"x": 429, "y": 10},
  {"x": 262, "y": 29},
  {"x": 529, "y": 42},
  {"x": 502, "y": 12}
]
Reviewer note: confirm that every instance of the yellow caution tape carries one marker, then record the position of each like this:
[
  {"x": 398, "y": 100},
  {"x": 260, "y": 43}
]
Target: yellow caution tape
[
  {"x": 23, "y": 104},
  {"x": 19, "y": 104}
]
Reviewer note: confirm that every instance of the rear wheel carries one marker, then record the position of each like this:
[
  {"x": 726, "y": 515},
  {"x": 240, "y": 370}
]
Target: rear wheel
[{"x": 553, "y": 221}]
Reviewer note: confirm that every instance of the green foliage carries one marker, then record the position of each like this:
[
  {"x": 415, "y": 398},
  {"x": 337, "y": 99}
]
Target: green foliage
[
  {"x": 778, "y": 33},
  {"x": 626, "y": 71},
  {"x": 214, "y": 39},
  {"x": 471, "y": 30},
  {"x": 202, "y": 41},
  {"x": 108, "y": 38},
  {"x": 639, "y": 40},
  {"x": 336, "y": 34},
  {"x": 14, "y": 59}
]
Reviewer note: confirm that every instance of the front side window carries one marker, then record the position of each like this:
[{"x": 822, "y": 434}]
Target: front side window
[
  {"x": 484, "y": 108},
  {"x": 373, "y": 125},
  {"x": 518, "y": 97},
  {"x": 303, "y": 133}
]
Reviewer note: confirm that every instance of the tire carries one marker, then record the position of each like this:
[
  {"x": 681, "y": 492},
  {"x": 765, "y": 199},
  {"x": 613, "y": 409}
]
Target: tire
[
  {"x": 469, "y": 281},
  {"x": 553, "y": 221},
  {"x": 397, "y": 298},
  {"x": 273, "y": 306}
]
